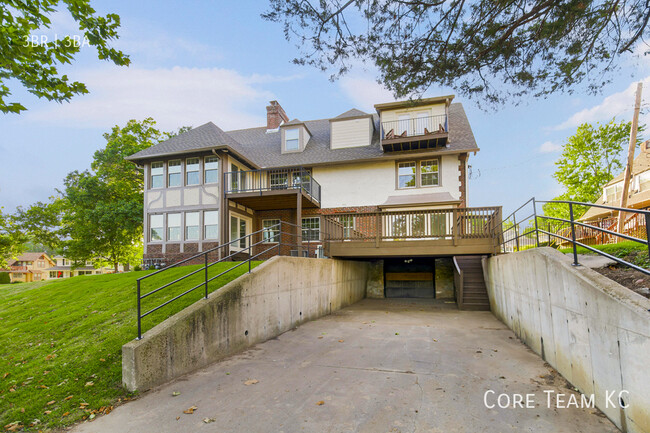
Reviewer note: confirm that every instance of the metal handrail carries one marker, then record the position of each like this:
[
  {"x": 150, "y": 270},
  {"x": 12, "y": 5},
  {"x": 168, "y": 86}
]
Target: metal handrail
[
  {"x": 249, "y": 248},
  {"x": 414, "y": 127},
  {"x": 573, "y": 222}
]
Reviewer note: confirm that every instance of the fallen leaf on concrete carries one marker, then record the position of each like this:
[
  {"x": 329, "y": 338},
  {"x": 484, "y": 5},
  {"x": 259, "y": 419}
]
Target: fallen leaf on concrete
[
  {"x": 251, "y": 382},
  {"x": 478, "y": 351},
  {"x": 190, "y": 410},
  {"x": 435, "y": 340},
  {"x": 397, "y": 333},
  {"x": 177, "y": 418},
  {"x": 175, "y": 394},
  {"x": 208, "y": 420},
  {"x": 341, "y": 341},
  {"x": 320, "y": 338},
  {"x": 320, "y": 403}
]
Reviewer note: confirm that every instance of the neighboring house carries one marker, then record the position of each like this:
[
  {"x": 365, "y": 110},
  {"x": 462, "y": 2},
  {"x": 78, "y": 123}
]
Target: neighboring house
[
  {"x": 63, "y": 268},
  {"x": 29, "y": 267},
  {"x": 334, "y": 178},
  {"x": 638, "y": 194}
]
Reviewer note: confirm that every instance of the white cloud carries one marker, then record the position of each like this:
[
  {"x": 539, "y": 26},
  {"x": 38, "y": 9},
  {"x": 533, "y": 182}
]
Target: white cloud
[
  {"x": 173, "y": 97},
  {"x": 549, "y": 147},
  {"x": 618, "y": 105}
]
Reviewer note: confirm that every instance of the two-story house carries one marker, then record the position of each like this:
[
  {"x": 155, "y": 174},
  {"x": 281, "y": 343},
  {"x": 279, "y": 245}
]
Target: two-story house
[
  {"x": 64, "y": 268},
  {"x": 330, "y": 177},
  {"x": 29, "y": 267}
]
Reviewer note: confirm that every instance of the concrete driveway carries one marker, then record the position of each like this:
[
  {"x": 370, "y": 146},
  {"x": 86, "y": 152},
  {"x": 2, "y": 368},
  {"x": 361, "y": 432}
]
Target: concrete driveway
[{"x": 377, "y": 366}]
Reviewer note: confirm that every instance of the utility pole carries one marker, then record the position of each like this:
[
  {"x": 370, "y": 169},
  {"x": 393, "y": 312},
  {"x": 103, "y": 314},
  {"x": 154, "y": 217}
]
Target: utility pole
[{"x": 630, "y": 157}]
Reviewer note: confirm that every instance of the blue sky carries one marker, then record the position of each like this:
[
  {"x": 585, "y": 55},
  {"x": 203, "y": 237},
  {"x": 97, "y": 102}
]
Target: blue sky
[{"x": 223, "y": 63}]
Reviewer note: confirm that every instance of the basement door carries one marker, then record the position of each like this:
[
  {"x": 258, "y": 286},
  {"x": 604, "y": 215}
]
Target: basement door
[{"x": 409, "y": 278}]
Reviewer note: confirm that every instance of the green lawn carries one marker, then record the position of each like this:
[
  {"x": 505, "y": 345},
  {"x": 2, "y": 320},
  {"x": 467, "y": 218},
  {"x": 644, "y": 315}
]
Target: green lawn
[
  {"x": 633, "y": 252},
  {"x": 60, "y": 341}
]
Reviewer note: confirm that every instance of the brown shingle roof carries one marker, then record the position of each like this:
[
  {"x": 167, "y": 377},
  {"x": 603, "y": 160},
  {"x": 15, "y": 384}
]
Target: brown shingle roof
[{"x": 263, "y": 149}]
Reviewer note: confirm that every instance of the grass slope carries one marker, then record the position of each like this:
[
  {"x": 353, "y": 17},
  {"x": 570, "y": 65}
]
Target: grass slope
[
  {"x": 60, "y": 341},
  {"x": 633, "y": 252}
]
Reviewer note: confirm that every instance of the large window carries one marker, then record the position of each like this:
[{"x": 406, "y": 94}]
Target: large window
[
  {"x": 211, "y": 223},
  {"x": 192, "y": 226},
  {"x": 613, "y": 193},
  {"x": 174, "y": 227},
  {"x": 418, "y": 174},
  {"x": 237, "y": 178},
  {"x": 311, "y": 229},
  {"x": 192, "y": 171},
  {"x": 211, "y": 169},
  {"x": 429, "y": 172},
  {"x": 157, "y": 228},
  {"x": 271, "y": 231},
  {"x": 157, "y": 171},
  {"x": 406, "y": 172},
  {"x": 174, "y": 173},
  {"x": 291, "y": 139},
  {"x": 278, "y": 180}
]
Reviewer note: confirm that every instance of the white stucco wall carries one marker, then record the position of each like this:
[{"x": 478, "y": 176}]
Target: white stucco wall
[{"x": 371, "y": 183}]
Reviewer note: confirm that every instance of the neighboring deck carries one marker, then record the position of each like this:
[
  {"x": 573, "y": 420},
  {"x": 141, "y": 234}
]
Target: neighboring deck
[{"x": 439, "y": 232}]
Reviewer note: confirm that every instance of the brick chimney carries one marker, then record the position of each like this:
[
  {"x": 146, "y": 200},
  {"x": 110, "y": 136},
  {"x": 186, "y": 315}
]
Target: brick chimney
[{"x": 275, "y": 115}]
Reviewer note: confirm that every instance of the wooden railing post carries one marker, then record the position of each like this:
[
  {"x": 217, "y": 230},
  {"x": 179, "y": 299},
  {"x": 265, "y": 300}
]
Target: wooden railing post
[
  {"x": 455, "y": 228},
  {"x": 378, "y": 229}
]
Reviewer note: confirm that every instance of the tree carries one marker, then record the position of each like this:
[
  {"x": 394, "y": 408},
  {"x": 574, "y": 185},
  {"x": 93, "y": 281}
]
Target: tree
[
  {"x": 102, "y": 209},
  {"x": 11, "y": 240},
  {"x": 40, "y": 222},
  {"x": 590, "y": 159},
  {"x": 534, "y": 47},
  {"x": 34, "y": 62}
]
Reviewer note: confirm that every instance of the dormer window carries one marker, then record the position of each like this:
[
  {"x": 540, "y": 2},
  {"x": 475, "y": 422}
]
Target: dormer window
[{"x": 291, "y": 140}]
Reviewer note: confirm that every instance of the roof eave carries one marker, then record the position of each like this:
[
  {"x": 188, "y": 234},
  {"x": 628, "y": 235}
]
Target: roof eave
[{"x": 413, "y": 103}]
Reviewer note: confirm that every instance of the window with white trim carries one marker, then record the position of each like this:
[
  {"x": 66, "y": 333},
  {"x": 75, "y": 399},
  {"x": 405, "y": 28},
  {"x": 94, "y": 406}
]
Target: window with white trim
[
  {"x": 192, "y": 171},
  {"x": 211, "y": 173},
  {"x": 192, "y": 226},
  {"x": 174, "y": 173},
  {"x": 406, "y": 172},
  {"x": 271, "y": 231},
  {"x": 156, "y": 228},
  {"x": 157, "y": 172},
  {"x": 429, "y": 172},
  {"x": 311, "y": 229},
  {"x": 418, "y": 174},
  {"x": 211, "y": 223},
  {"x": 174, "y": 227},
  {"x": 292, "y": 139}
]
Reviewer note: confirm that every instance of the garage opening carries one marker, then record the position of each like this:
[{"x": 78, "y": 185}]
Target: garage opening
[{"x": 419, "y": 277}]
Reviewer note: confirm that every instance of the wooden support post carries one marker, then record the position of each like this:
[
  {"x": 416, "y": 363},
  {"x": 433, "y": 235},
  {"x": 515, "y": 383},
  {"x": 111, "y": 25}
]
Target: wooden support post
[
  {"x": 630, "y": 159},
  {"x": 299, "y": 222},
  {"x": 378, "y": 230}
]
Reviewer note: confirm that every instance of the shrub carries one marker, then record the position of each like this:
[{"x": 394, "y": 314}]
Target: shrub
[{"x": 4, "y": 278}]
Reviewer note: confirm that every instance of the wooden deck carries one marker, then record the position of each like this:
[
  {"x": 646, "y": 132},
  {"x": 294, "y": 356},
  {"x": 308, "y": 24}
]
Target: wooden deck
[{"x": 439, "y": 232}]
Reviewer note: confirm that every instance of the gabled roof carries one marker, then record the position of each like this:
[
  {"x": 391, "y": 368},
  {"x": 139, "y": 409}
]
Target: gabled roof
[
  {"x": 262, "y": 148},
  {"x": 350, "y": 114},
  {"x": 30, "y": 257},
  {"x": 205, "y": 137}
]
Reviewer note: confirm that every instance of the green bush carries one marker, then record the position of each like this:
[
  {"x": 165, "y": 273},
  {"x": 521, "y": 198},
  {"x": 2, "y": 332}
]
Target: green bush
[{"x": 4, "y": 278}]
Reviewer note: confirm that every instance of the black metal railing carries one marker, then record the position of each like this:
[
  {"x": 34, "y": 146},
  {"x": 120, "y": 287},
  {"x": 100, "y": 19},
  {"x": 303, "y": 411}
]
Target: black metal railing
[
  {"x": 272, "y": 180},
  {"x": 273, "y": 240},
  {"x": 521, "y": 233},
  {"x": 414, "y": 127}
]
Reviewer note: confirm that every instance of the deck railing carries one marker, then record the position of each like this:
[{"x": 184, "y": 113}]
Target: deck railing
[
  {"x": 272, "y": 180},
  {"x": 432, "y": 224},
  {"x": 414, "y": 127}
]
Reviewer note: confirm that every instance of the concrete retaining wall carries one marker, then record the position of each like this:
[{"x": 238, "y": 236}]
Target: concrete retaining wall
[
  {"x": 595, "y": 332},
  {"x": 276, "y": 296}
]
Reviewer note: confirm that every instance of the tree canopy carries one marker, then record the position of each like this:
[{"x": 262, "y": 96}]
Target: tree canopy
[
  {"x": 33, "y": 62},
  {"x": 531, "y": 47},
  {"x": 590, "y": 158}
]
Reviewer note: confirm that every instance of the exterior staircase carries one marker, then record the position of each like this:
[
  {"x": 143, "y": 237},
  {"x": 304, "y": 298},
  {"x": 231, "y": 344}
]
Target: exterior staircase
[{"x": 470, "y": 285}]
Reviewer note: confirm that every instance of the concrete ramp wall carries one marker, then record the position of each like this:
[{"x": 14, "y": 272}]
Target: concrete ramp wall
[
  {"x": 276, "y": 296},
  {"x": 595, "y": 332}
]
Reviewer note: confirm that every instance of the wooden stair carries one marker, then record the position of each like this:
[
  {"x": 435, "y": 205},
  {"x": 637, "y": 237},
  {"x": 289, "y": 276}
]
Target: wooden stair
[{"x": 469, "y": 274}]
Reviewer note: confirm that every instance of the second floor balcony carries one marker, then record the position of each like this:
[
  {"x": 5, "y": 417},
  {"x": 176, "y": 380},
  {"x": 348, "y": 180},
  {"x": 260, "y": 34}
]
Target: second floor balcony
[
  {"x": 424, "y": 132},
  {"x": 266, "y": 189}
]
